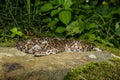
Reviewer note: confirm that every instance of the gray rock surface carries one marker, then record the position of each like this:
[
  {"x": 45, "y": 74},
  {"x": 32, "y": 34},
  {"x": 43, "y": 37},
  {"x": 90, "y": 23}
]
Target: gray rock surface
[{"x": 16, "y": 65}]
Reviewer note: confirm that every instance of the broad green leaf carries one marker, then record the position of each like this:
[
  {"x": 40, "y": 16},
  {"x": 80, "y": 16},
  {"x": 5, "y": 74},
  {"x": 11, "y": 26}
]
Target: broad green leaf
[
  {"x": 57, "y": 2},
  {"x": 14, "y": 30},
  {"x": 37, "y": 3},
  {"x": 91, "y": 26},
  {"x": 67, "y": 4},
  {"x": 75, "y": 27},
  {"x": 91, "y": 37},
  {"x": 19, "y": 33},
  {"x": 60, "y": 29},
  {"x": 12, "y": 35},
  {"x": 65, "y": 17},
  {"x": 46, "y": 7},
  {"x": 76, "y": 30},
  {"x": 104, "y": 10},
  {"x": 54, "y": 12},
  {"x": 52, "y": 24},
  {"x": 46, "y": 20}
]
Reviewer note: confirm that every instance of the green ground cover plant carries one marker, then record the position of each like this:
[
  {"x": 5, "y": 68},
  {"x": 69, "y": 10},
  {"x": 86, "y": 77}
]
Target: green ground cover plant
[
  {"x": 96, "y": 71},
  {"x": 91, "y": 20}
]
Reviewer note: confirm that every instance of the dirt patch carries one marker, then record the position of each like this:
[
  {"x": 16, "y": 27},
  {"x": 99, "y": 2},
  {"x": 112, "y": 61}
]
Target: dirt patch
[{"x": 16, "y": 65}]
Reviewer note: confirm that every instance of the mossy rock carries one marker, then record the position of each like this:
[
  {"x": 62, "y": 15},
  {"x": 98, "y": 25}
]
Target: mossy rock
[{"x": 96, "y": 71}]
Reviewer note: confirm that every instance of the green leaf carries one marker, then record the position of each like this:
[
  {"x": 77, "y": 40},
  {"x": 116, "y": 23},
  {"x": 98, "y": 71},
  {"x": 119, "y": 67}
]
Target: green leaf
[
  {"x": 67, "y": 4},
  {"x": 73, "y": 28},
  {"x": 19, "y": 33},
  {"x": 14, "y": 30},
  {"x": 54, "y": 12},
  {"x": 46, "y": 7},
  {"x": 65, "y": 17},
  {"x": 92, "y": 26},
  {"x": 37, "y": 3},
  {"x": 117, "y": 30},
  {"x": 60, "y": 29},
  {"x": 46, "y": 20},
  {"x": 92, "y": 37},
  {"x": 104, "y": 10},
  {"x": 94, "y": 2},
  {"x": 52, "y": 24},
  {"x": 12, "y": 35},
  {"x": 57, "y": 2}
]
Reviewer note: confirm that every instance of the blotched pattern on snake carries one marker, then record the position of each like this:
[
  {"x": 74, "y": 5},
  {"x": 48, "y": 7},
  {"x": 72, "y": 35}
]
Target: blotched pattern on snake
[{"x": 49, "y": 45}]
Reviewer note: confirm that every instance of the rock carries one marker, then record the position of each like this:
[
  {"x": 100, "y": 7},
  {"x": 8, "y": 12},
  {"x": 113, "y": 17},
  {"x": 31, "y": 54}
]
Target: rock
[{"x": 16, "y": 65}]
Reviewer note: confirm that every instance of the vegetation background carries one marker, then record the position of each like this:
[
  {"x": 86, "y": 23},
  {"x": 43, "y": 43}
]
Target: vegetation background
[{"x": 91, "y": 20}]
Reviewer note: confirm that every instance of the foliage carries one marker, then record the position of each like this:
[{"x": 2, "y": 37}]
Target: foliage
[
  {"x": 96, "y": 71},
  {"x": 15, "y": 32},
  {"x": 93, "y": 20}
]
